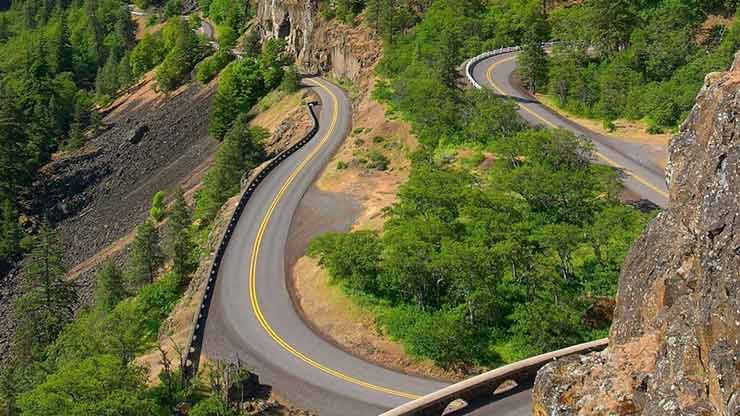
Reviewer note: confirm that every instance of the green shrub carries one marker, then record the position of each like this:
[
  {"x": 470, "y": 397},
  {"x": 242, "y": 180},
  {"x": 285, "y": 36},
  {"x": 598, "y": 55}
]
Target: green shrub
[
  {"x": 240, "y": 87},
  {"x": 291, "y": 80},
  {"x": 241, "y": 151},
  {"x": 609, "y": 126},
  {"x": 350, "y": 258},
  {"x": 212, "y": 406},
  {"x": 147, "y": 54},
  {"x": 155, "y": 301},
  {"x": 443, "y": 336},
  {"x": 377, "y": 161},
  {"x": 184, "y": 50},
  {"x": 208, "y": 68},
  {"x": 157, "y": 210},
  {"x": 342, "y": 165},
  {"x": 173, "y": 70}
]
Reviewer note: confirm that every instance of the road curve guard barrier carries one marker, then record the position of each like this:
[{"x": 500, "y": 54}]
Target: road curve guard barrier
[
  {"x": 485, "y": 55},
  {"x": 483, "y": 386},
  {"x": 195, "y": 342}
]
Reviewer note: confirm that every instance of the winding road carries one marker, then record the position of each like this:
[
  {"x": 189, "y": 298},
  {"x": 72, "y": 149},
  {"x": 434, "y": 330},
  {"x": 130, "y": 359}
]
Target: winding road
[
  {"x": 643, "y": 175},
  {"x": 253, "y": 317}
]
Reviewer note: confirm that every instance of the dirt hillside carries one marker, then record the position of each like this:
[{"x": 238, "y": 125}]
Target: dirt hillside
[{"x": 94, "y": 197}]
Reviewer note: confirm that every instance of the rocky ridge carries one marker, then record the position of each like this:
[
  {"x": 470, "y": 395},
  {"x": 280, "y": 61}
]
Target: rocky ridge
[
  {"x": 674, "y": 345},
  {"x": 319, "y": 47}
]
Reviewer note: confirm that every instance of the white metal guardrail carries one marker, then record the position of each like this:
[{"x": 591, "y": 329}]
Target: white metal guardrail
[
  {"x": 484, "y": 385},
  {"x": 485, "y": 55}
]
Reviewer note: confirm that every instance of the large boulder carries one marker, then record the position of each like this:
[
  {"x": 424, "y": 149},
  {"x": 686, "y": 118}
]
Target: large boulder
[{"x": 674, "y": 345}]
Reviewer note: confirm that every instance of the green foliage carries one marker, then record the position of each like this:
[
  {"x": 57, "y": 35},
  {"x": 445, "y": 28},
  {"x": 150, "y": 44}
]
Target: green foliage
[
  {"x": 442, "y": 336},
  {"x": 157, "y": 210},
  {"x": 241, "y": 151},
  {"x": 146, "y": 257},
  {"x": 53, "y": 55},
  {"x": 147, "y": 54},
  {"x": 208, "y": 68},
  {"x": 483, "y": 267},
  {"x": 48, "y": 299},
  {"x": 231, "y": 14},
  {"x": 212, "y": 406},
  {"x": 350, "y": 258},
  {"x": 155, "y": 301},
  {"x": 172, "y": 8},
  {"x": 179, "y": 243},
  {"x": 251, "y": 44},
  {"x": 271, "y": 63},
  {"x": 86, "y": 365},
  {"x": 240, "y": 87},
  {"x": 532, "y": 60},
  {"x": 624, "y": 60},
  {"x": 96, "y": 385},
  {"x": 184, "y": 50},
  {"x": 377, "y": 161},
  {"x": 478, "y": 255},
  {"x": 244, "y": 82},
  {"x": 291, "y": 80},
  {"x": 390, "y": 18},
  {"x": 109, "y": 289},
  {"x": 346, "y": 10},
  {"x": 10, "y": 232}
]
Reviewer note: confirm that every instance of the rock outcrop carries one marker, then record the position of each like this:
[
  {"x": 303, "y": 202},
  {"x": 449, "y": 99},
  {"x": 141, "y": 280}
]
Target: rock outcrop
[
  {"x": 290, "y": 20},
  {"x": 319, "y": 46},
  {"x": 674, "y": 344}
]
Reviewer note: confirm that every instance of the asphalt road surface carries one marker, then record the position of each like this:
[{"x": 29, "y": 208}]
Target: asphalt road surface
[
  {"x": 252, "y": 316},
  {"x": 642, "y": 174}
]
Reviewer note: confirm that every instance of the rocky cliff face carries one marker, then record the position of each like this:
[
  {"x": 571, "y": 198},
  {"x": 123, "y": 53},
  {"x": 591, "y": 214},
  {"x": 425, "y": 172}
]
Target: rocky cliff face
[
  {"x": 674, "y": 346},
  {"x": 290, "y": 20},
  {"x": 319, "y": 46}
]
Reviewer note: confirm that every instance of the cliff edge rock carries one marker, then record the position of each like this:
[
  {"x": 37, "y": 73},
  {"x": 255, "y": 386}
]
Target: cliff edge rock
[
  {"x": 674, "y": 343},
  {"x": 319, "y": 46}
]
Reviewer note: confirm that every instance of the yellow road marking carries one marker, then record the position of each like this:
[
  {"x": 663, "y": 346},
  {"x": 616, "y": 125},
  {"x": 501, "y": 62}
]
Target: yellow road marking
[
  {"x": 489, "y": 77},
  {"x": 253, "y": 268}
]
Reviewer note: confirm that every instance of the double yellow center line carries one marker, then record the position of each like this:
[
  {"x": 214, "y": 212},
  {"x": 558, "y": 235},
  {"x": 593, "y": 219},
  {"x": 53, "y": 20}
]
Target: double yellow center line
[
  {"x": 489, "y": 77},
  {"x": 255, "y": 257}
]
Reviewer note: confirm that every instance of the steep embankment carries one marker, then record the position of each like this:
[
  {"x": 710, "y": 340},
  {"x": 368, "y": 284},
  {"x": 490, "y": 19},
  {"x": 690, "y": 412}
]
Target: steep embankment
[
  {"x": 675, "y": 341},
  {"x": 95, "y": 196}
]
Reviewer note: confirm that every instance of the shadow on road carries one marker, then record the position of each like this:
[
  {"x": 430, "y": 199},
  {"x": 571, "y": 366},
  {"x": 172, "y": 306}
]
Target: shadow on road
[{"x": 484, "y": 406}]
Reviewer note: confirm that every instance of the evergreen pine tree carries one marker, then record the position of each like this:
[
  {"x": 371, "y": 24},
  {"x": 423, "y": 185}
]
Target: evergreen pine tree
[
  {"x": 373, "y": 10},
  {"x": 146, "y": 255},
  {"x": 11, "y": 231},
  {"x": 106, "y": 83},
  {"x": 110, "y": 286},
  {"x": 180, "y": 245},
  {"x": 532, "y": 61},
  {"x": 125, "y": 77},
  {"x": 48, "y": 302}
]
